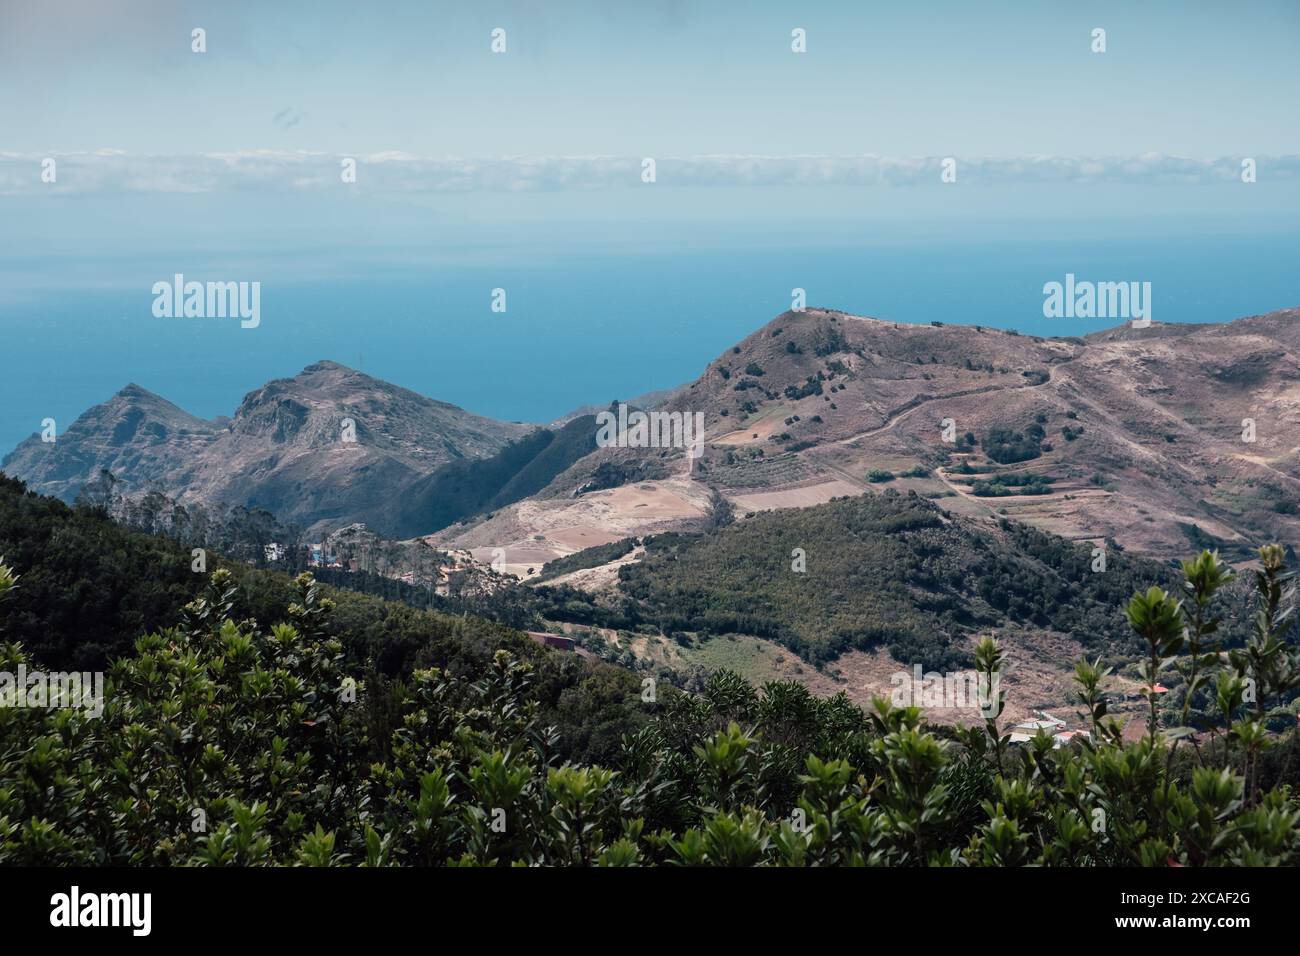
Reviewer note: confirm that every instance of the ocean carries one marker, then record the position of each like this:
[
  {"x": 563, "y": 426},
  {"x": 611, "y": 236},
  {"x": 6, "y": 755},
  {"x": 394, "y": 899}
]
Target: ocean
[{"x": 583, "y": 324}]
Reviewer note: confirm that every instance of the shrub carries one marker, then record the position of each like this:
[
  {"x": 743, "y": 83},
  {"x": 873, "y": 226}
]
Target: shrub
[
  {"x": 1008, "y": 447},
  {"x": 224, "y": 742}
]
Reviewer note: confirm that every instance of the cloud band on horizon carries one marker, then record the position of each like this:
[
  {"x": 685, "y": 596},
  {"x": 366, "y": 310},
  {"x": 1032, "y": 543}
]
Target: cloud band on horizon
[{"x": 116, "y": 171}]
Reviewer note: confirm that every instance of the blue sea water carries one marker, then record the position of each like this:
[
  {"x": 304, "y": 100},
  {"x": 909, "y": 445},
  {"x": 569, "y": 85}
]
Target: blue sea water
[{"x": 582, "y": 325}]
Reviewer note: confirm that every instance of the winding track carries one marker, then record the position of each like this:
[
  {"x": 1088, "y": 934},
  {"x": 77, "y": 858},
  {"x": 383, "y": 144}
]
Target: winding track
[{"x": 899, "y": 414}]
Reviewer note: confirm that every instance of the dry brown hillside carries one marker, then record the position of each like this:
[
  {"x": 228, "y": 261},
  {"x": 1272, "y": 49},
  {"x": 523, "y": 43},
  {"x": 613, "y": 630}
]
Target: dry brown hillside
[{"x": 1141, "y": 434}]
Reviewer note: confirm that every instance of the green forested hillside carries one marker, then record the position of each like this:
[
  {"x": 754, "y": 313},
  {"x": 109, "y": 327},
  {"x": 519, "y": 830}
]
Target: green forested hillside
[
  {"x": 260, "y": 720},
  {"x": 90, "y": 588},
  {"x": 885, "y": 569},
  {"x": 228, "y": 742}
]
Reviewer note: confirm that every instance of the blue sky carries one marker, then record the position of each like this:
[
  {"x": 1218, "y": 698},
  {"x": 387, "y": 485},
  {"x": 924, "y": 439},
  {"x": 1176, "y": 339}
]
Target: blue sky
[
  {"x": 476, "y": 170},
  {"x": 652, "y": 78}
]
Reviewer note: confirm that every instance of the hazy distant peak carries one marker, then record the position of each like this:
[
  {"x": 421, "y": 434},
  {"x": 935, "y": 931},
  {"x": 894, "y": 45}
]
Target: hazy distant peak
[{"x": 331, "y": 443}]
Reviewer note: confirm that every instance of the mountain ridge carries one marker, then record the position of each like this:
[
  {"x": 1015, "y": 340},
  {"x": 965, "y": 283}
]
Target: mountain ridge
[
  {"x": 317, "y": 448},
  {"x": 1133, "y": 438},
  {"x": 1126, "y": 435}
]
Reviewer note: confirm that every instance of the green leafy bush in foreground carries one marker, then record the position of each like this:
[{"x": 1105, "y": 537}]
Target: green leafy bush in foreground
[{"x": 225, "y": 743}]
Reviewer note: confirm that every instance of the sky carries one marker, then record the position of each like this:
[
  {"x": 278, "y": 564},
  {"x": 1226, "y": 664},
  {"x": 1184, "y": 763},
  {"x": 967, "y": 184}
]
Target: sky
[
  {"x": 446, "y": 130},
  {"x": 652, "y": 78},
  {"x": 523, "y": 170}
]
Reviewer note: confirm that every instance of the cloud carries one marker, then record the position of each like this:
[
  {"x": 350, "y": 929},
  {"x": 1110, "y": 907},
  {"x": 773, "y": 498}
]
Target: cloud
[{"x": 114, "y": 171}]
